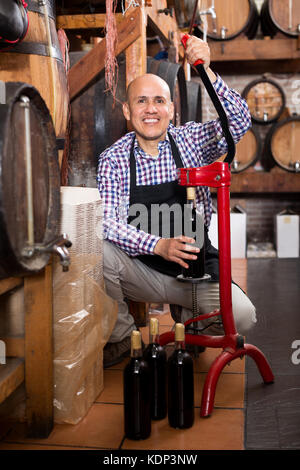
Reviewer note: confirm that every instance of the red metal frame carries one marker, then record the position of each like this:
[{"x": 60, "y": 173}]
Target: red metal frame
[{"x": 217, "y": 175}]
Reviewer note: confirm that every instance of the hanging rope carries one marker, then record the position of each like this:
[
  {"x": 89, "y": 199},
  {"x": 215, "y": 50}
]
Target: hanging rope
[{"x": 111, "y": 64}]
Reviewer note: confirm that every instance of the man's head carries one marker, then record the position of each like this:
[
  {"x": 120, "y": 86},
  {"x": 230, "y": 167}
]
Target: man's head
[{"x": 149, "y": 107}]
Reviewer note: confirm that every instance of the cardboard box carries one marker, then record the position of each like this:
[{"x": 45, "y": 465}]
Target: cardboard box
[
  {"x": 238, "y": 230},
  {"x": 287, "y": 234}
]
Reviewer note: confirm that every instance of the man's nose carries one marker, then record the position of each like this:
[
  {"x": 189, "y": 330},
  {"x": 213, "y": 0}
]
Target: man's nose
[{"x": 151, "y": 107}]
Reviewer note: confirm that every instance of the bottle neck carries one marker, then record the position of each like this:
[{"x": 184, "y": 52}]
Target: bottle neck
[
  {"x": 191, "y": 203},
  {"x": 153, "y": 338},
  {"x": 136, "y": 353},
  {"x": 179, "y": 345}
]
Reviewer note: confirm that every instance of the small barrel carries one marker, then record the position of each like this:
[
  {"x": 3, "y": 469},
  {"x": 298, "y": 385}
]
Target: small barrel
[
  {"x": 248, "y": 150},
  {"x": 231, "y": 18},
  {"x": 280, "y": 16},
  {"x": 282, "y": 143},
  {"x": 29, "y": 180},
  {"x": 266, "y": 100},
  {"x": 174, "y": 75},
  {"x": 194, "y": 101},
  {"x": 37, "y": 60}
]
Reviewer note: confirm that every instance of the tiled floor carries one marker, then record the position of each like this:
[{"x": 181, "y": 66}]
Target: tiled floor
[{"x": 102, "y": 427}]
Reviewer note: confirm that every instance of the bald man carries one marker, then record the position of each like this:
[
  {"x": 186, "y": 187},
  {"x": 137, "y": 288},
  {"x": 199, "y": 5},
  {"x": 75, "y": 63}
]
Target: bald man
[{"x": 138, "y": 174}]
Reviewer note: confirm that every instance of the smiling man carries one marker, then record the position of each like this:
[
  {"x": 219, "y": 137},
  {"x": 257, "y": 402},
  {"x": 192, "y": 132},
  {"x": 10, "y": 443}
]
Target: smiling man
[{"x": 140, "y": 170}]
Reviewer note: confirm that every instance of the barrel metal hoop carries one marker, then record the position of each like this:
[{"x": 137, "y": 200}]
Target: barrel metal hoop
[
  {"x": 36, "y": 7},
  {"x": 37, "y": 48}
]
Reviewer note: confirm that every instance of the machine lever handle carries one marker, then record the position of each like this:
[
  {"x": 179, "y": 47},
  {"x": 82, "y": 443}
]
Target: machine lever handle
[{"x": 217, "y": 104}]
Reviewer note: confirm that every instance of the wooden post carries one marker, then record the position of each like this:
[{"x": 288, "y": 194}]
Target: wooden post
[
  {"x": 136, "y": 53},
  {"x": 39, "y": 353}
]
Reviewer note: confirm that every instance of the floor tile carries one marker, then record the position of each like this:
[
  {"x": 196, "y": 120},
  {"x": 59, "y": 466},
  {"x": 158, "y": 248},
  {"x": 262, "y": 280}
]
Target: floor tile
[
  {"x": 17, "y": 446},
  {"x": 101, "y": 428},
  {"x": 229, "y": 390},
  {"x": 113, "y": 387},
  {"x": 205, "y": 359},
  {"x": 5, "y": 427},
  {"x": 223, "y": 430}
]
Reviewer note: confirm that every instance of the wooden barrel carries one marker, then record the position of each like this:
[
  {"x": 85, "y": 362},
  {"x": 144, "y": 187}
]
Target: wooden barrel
[
  {"x": 233, "y": 17},
  {"x": 34, "y": 62},
  {"x": 174, "y": 75},
  {"x": 283, "y": 16},
  {"x": 266, "y": 100},
  {"x": 283, "y": 143},
  {"x": 248, "y": 150},
  {"x": 29, "y": 179},
  {"x": 194, "y": 101},
  {"x": 96, "y": 123}
]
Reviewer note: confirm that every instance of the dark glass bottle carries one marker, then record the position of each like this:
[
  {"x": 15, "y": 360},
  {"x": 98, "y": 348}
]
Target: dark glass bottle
[
  {"x": 196, "y": 267},
  {"x": 136, "y": 382},
  {"x": 156, "y": 358},
  {"x": 180, "y": 383}
]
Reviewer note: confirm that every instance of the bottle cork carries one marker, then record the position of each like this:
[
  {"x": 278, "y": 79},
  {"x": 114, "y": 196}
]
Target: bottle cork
[
  {"x": 153, "y": 327},
  {"x": 136, "y": 340},
  {"x": 179, "y": 332},
  {"x": 191, "y": 192}
]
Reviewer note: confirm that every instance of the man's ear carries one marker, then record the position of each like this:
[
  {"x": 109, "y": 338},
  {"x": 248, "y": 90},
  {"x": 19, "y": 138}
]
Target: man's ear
[{"x": 126, "y": 111}]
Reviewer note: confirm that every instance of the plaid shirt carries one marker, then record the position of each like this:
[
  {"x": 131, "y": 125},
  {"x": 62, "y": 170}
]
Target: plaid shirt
[{"x": 199, "y": 144}]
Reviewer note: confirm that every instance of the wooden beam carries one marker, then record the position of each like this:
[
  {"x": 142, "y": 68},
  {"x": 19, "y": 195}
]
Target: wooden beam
[
  {"x": 87, "y": 68},
  {"x": 10, "y": 283},
  {"x": 11, "y": 376},
  {"x": 136, "y": 53},
  {"x": 90, "y": 21},
  {"x": 163, "y": 25},
  {"x": 39, "y": 353}
]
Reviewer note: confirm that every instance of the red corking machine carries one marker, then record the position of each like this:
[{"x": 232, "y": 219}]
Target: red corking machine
[{"x": 218, "y": 175}]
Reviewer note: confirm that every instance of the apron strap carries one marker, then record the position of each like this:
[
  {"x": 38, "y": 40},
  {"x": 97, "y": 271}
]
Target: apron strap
[{"x": 175, "y": 154}]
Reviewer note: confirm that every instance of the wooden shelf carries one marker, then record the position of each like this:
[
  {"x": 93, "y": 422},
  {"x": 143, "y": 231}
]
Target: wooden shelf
[
  {"x": 11, "y": 376},
  {"x": 275, "y": 181},
  {"x": 242, "y": 55}
]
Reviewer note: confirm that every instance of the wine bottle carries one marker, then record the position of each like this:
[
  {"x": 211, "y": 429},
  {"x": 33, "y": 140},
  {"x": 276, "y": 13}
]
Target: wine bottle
[
  {"x": 136, "y": 382},
  {"x": 180, "y": 383},
  {"x": 156, "y": 358},
  {"x": 196, "y": 267}
]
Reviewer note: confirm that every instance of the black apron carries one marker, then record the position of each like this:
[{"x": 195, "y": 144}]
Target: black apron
[{"x": 167, "y": 193}]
